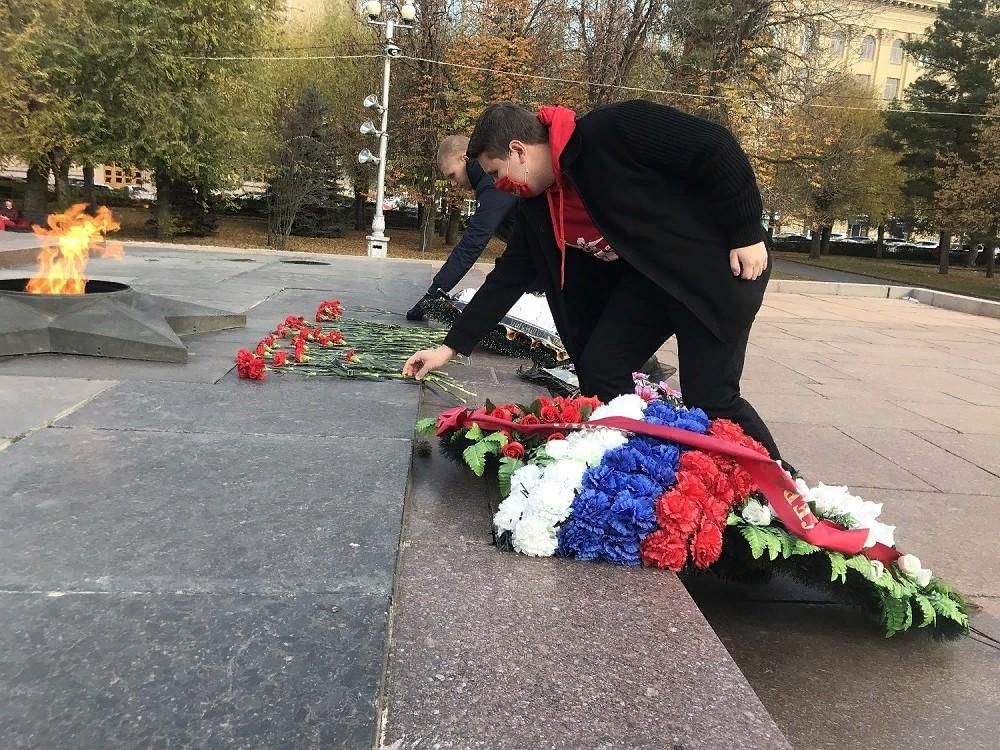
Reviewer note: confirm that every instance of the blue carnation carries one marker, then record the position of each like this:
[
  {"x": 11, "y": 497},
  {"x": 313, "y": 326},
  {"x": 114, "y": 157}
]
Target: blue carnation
[
  {"x": 621, "y": 550},
  {"x": 603, "y": 478},
  {"x": 632, "y": 515},
  {"x": 579, "y": 541},
  {"x": 662, "y": 413},
  {"x": 591, "y": 510}
]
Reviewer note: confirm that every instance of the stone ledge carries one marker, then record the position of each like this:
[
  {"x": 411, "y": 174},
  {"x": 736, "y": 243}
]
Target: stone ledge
[{"x": 944, "y": 300}]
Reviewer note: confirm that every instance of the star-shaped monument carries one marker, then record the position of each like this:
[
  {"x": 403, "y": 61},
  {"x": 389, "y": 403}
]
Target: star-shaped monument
[{"x": 108, "y": 320}]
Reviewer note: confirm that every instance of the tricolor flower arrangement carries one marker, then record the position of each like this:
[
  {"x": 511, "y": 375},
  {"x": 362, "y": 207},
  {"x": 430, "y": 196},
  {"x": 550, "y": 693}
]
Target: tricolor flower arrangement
[{"x": 593, "y": 481}]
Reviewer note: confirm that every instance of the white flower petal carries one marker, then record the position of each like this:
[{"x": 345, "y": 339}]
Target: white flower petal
[{"x": 535, "y": 536}]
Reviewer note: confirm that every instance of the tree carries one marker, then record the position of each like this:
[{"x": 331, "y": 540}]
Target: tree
[
  {"x": 611, "y": 37},
  {"x": 960, "y": 53},
  {"x": 306, "y": 163},
  {"x": 759, "y": 49},
  {"x": 42, "y": 50},
  {"x": 968, "y": 192},
  {"x": 826, "y": 159}
]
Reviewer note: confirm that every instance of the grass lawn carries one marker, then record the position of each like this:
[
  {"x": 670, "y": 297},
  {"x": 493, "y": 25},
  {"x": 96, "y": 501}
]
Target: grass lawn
[
  {"x": 959, "y": 279},
  {"x": 237, "y": 231}
]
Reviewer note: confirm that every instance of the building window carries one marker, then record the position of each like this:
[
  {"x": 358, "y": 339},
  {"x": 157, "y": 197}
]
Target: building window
[
  {"x": 891, "y": 88},
  {"x": 807, "y": 40},
  {"x": 863, "y": 80},
  {"x": 896, "y": 54},
  {"x": 868, "y": 48},
  {"x": 837, "y": 43}
]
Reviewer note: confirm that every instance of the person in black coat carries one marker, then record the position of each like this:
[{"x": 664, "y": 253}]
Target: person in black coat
[
  {"x": 646, "y": 222},
  {"x": 493, "y": 216}
]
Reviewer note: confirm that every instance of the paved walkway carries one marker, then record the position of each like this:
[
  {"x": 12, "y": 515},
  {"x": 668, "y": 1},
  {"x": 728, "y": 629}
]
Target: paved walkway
[{"x": 193, "y": 561}]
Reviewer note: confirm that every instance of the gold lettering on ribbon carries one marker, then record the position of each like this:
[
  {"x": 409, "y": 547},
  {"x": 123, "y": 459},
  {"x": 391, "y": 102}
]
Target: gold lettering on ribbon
[{"x": 801, "y": 509}]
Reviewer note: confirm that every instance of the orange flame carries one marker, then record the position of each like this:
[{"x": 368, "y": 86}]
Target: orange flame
[{"x": 66, "y": 247}]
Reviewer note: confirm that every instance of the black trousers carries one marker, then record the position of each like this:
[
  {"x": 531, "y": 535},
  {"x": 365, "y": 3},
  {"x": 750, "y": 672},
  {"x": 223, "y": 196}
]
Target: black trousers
[{"x": 627, "y": 318}]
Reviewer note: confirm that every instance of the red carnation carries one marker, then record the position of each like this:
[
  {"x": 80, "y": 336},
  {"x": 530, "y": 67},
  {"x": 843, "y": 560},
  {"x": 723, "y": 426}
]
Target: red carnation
[
  {"x": 295, "y": 321},
  {"x": 550, "y": 414},
  {"x": 280, "y": 359},
  {"x": 555, "y": 436},
  {"x": 689, "y": 485},
  {"x": 261, "y": 349},
  {"x": 249, "y": 365},
  {"x": 661, "y": 549},
  {"x": 707, "y": 544},
  {"x": 329, "y": 310},
  {"x": 700, "y": 464},
  {"x": 351, "y": 356},
  {"x": 513, "y": 450},
  {"x": 592, "y": 401},
  {"x": 678, "y": 513}
]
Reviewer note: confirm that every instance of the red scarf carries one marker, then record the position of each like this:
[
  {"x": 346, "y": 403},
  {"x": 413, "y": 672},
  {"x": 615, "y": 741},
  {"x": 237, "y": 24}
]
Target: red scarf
[{"x": 569, "y": 216}]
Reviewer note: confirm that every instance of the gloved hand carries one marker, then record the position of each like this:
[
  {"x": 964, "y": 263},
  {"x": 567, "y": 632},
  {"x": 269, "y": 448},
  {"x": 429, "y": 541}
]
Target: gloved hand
[{"x": 416, "y": 312}]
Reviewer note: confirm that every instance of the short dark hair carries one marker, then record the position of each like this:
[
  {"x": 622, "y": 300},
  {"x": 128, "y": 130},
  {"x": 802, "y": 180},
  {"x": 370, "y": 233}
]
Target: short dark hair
[{"x": 501, "y": 123}]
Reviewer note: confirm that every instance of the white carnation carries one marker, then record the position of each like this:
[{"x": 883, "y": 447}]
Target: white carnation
[
  {"x": 756, "y": 513},
  {"x": 923, "y": 577},
  {"x": 535, "y": 536},
  {"x": 589, "y": 446},
  {"x": 525, "y": 479},
  {"x": 551, "y": 501},
  {"x": 567, "y": 473},
  {"x": 628, "y": 405},
  {"x": 509, "y": 512}
]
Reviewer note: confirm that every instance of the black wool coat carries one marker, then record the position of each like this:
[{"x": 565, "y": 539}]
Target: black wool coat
[{"x": 670, "y": 192}]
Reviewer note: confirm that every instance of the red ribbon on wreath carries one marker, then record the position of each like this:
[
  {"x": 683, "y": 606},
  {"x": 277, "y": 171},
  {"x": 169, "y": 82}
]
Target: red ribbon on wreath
[{"x": 791, "y": 508}]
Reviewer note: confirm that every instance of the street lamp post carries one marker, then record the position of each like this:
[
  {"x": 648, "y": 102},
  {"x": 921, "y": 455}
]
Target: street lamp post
[{"x": 378, "y": 243}]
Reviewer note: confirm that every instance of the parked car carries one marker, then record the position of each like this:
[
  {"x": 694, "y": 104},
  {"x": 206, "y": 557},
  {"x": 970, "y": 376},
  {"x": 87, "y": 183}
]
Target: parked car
[
  {"x": 859, "y": 240},
  {"x": 790, "y": 237}
]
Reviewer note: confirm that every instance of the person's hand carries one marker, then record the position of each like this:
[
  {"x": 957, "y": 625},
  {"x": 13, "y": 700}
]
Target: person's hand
[
  {"x": 748, "y": 262},
  {"x": 426, "y": 360}
]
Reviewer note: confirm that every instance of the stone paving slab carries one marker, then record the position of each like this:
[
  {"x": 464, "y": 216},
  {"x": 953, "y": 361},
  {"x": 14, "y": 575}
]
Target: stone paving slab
[
  {"x": 856, "y": 689},
  {"x": 953, "y": 534},
  {"x": 27, "y": 403},
  {"x": 196, "y": 512},
  {"x": 200, "y": 368},
  {"x": 962, "y": 417},
  {"x": 980, "y": 450},
  {"x": 147, "y": 671},
  {"x": 282, "y": 405},
  {"x": 863, "y": 411},
  {"x": 557, "y": 654},
  {"x": 825, "y": 454},
  {"x": 934, "y": 465}
]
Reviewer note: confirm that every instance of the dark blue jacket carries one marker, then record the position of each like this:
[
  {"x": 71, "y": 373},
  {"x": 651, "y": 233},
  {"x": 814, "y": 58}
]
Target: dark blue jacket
[{"x": 494, "y": 216}]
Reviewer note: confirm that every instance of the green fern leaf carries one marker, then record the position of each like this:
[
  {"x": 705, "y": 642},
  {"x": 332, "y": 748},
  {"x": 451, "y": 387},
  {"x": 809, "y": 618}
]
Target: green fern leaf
[
  {"x": 773, "y": 543},
  {"x": 755, "y": 540},
  {"x": 802, "y": 547},
  {"x": 927, "y": 612},
  {"x": 474, "y": 433},
  {"x": 838, "y": 566},
  {"x": 475, "y": 458},
  {"x": 497, "y": 437},
  {"x": 426, "y": 425},
  {"x": 945, "y": 606},
  {"x": 894, "y": 615}
]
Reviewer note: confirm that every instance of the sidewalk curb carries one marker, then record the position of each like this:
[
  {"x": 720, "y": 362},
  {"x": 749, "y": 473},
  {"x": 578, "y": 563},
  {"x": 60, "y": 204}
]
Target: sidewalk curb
[{"x": 944, "y": 300}]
